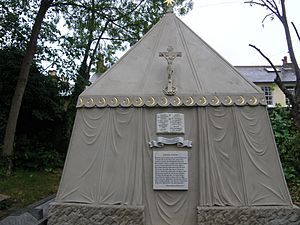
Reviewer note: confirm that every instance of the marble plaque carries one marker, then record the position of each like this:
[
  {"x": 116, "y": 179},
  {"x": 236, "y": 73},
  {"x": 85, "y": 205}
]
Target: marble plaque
[
  {"x": 170, "y": 123},
  {"x": 170, "y": 170}
]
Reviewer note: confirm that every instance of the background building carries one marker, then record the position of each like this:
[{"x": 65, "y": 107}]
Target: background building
[{"x": 263, "y": 76}]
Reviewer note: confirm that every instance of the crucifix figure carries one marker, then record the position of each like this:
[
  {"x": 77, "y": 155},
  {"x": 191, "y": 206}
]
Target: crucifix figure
[{"x": 170, "y": 56}]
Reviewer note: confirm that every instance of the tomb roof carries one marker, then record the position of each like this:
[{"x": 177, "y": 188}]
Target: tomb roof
[{"x": 201, "y": 76}]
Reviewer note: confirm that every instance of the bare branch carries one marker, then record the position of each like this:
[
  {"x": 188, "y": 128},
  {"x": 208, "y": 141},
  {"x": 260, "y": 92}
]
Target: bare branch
[
  {"x": 296, "y": 31},
  {"x": 270, "y": 14},
  {"x": 255, "y": 3},
  {"x": 273, "y": 8},
  {"x": 276, "y": 7},
  {"x": 272, "y": 4},
  {"x": 277, "y": 79},
  {"x": 280, "y": 11}
]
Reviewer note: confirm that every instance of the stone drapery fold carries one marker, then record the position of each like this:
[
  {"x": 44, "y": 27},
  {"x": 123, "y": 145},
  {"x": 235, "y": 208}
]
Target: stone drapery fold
[{"x": 233, "y": 161}]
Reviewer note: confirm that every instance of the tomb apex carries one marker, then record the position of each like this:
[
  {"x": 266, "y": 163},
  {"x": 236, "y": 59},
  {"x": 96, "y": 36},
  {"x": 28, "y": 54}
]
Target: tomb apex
[{"x": 201, "y": 76}]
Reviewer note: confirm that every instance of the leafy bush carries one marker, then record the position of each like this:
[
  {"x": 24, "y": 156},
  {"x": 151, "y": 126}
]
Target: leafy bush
[
  {"x": 31, "y": 154},
  {"x": 287, "y": 138},
  {"x": 3, "y": 165}
]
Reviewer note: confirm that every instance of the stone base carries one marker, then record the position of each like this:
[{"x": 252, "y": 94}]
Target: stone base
[
  {"x": 83, "y": 214},
  {"x": 267, "y": 215}
]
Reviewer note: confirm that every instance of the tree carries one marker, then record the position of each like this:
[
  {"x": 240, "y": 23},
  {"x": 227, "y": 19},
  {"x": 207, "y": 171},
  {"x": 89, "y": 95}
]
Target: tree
[
  {"x": 278, "y": 10},
  {"x": 107, "y": 26},
  {"x": 105, "y": 29},
  {"x": 22, "y": 82},
  {"x": 100, "y": 20}
]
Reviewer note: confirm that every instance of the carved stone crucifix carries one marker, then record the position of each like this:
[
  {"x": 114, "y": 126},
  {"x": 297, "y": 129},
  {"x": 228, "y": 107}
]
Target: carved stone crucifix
[{"x": 170, "y": 56}]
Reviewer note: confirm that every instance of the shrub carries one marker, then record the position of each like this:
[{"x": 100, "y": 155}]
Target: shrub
[
  {"x": 287, "y": 138},
  {"x": 31, "y": 154}
]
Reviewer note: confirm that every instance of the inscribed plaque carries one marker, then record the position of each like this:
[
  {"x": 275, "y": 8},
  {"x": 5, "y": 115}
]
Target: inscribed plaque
[
  {"x": 170, "y": 170},
  {"x": 170, "y": 123}
]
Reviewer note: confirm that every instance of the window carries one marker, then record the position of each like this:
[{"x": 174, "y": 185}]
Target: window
[{"x": 268, "y": 94}]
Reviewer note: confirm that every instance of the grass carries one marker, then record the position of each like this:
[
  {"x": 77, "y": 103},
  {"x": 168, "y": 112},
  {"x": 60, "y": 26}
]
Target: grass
[{"x": 27, "y": 187}]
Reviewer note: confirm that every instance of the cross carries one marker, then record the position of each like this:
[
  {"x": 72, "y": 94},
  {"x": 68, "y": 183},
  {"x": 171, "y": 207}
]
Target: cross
[
  {"x": 170, "y": 56},
  {"x": 169, "y": 5},
  {"x": 169, "y": 2}
]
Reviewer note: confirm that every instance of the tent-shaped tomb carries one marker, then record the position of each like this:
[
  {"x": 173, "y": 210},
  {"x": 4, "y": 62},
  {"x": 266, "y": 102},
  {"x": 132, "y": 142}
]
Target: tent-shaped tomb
[{"x": 233, "y": 160}]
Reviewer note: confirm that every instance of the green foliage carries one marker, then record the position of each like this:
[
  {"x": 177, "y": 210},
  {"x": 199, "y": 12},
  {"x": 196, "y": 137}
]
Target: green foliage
[
  {"x": 39, "y": 141},
  {"x": 32, "y": 154},
  {"x": 105, "y": 27},
  {"x": 4, "y": 161},
  {"x": 94, "y": 28},
  {"x": 14, "y": 26},
  {"x": 287, "y": 138}
]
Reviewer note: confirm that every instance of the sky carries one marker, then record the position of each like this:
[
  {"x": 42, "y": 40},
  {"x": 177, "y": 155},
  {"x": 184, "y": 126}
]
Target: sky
[{"x": 229, "y": 26}]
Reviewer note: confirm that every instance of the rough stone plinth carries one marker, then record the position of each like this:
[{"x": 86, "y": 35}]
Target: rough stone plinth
[
  {"x": 267, "y": 215},
  {"x": 82, "y": 214}
]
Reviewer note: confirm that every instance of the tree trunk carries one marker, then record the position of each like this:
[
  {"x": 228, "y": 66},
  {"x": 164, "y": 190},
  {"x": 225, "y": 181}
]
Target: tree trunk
[
  {"x": 295, "y": 113},
  {"x": 9, "y": 137},
  {"x": 82, "y": 78},
  {"x": 296, "y": 100}
]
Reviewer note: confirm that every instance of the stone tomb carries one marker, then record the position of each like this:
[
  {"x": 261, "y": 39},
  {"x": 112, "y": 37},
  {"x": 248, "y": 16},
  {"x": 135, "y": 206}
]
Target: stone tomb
[{"x": 172, "y": 134}]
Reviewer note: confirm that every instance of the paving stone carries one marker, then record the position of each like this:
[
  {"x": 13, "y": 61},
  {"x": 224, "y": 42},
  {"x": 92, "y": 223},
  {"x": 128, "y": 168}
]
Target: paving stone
[{"x": 24, "y": 219}]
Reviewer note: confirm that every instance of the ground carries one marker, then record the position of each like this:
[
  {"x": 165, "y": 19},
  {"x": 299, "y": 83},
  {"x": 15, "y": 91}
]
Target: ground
[{"x": 27, "y": 187}]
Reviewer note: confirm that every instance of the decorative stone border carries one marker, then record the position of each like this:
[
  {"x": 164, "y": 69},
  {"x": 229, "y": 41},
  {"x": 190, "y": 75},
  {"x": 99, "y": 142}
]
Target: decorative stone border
[
  {"x": 83, "y": 214},
  {"x": 267, "y": 215},
  {"x": 174, "y": 101}
]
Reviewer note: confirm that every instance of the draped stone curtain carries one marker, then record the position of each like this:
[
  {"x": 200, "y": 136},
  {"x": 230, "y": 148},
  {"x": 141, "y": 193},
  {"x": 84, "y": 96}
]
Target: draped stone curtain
[{"x": 233, "y": 161}]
